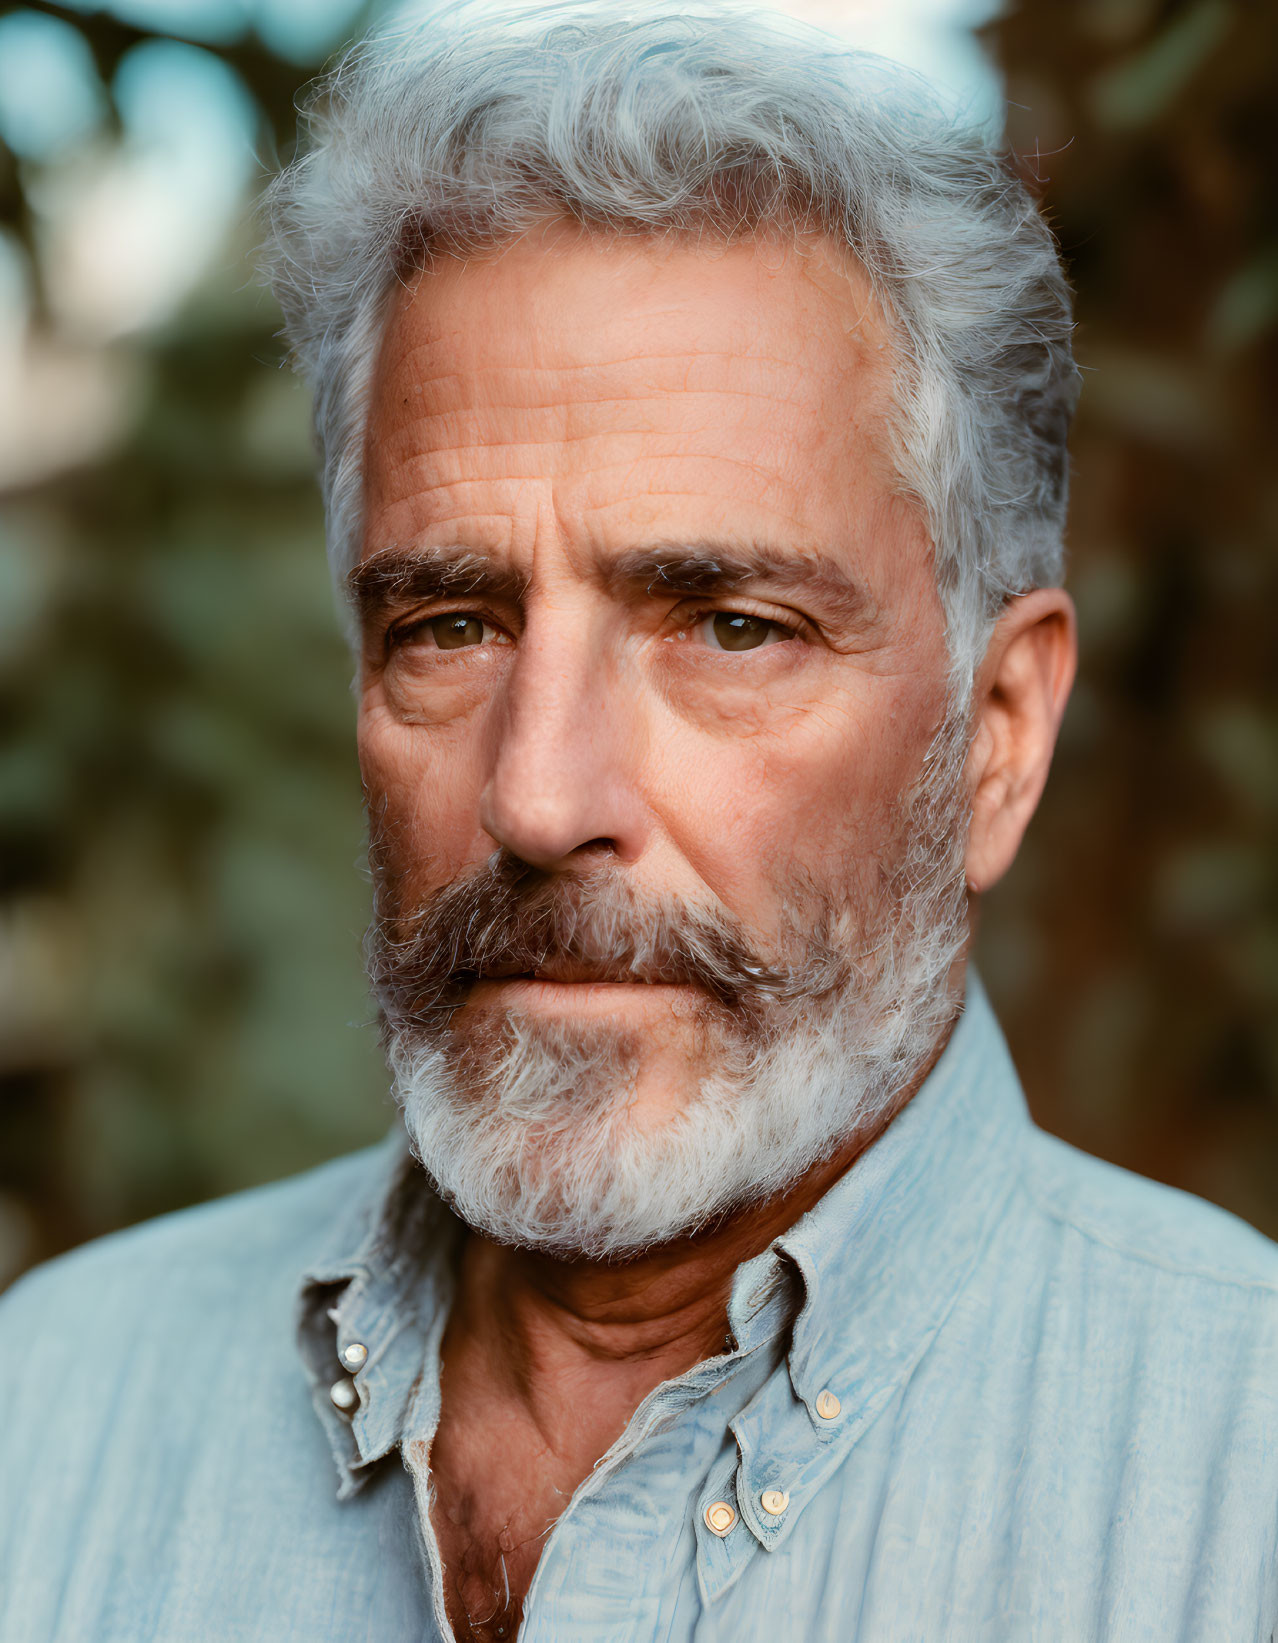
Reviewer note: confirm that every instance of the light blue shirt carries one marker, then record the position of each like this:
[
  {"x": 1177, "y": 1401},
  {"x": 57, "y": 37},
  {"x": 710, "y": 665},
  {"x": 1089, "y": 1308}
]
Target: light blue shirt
[{"x": 1007, "y": 1391}]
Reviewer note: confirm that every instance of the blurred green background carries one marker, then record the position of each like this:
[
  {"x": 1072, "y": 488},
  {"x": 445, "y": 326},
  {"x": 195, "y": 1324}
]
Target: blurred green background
[{"x": 182, "y": 1010}]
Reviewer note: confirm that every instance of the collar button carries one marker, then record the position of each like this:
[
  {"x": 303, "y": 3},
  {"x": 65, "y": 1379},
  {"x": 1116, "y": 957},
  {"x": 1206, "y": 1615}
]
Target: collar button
[
  {"x": 828, "y": 1406},
  {"x": 344, "y": 1397},
  {"x": 354, "y": 1356}
]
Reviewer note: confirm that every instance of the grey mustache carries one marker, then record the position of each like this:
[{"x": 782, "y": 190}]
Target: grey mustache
[{"x": 511, "y": 919}]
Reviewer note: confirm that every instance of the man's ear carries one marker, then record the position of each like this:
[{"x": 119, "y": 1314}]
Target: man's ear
[{"x": 1018, "y": 702}]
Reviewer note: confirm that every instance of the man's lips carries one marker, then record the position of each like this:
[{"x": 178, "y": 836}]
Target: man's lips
[
  {"x": 578, "y": 990},
  {"x": 568, "y": 974}
]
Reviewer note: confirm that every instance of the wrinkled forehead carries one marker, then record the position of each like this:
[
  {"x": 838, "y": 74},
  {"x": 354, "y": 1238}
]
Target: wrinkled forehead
[{"x": 666, "y": 376}]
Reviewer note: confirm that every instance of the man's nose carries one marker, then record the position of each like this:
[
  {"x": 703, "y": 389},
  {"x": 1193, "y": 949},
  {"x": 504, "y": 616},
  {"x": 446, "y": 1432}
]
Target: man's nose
[{"x": 567, "y": 747}]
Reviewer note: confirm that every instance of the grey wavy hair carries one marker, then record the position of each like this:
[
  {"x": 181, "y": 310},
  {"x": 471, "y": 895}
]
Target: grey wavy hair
[{"x": 464, "y": 128}]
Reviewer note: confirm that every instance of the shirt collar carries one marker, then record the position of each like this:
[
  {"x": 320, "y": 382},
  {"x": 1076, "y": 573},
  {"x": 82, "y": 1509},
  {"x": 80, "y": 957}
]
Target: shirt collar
[
  {"x": 865, "y": 1279},
  {"x": 886, "y": 1251},
  {"x": 882, "y": 1259},
  {"x": 370, "y": 1303}
]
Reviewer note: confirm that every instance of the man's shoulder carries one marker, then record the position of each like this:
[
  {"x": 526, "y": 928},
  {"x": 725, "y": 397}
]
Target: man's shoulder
[
  {"x": 237, "y": 1247},
  {"x": 1148, "y": 1231}
]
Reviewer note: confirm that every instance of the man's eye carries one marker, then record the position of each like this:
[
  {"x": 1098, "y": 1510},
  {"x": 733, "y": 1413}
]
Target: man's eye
[
  {"x": 454, "y": 631},
  {"x": 736, "y": 630}
]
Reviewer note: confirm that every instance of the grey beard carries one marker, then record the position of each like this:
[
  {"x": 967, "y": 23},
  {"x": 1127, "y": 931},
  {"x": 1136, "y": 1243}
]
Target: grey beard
[{"x": 526, "y": 1127}]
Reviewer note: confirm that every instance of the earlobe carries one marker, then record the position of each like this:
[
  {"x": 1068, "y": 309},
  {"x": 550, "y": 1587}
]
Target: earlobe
[{"x": 1019, "y": 700}]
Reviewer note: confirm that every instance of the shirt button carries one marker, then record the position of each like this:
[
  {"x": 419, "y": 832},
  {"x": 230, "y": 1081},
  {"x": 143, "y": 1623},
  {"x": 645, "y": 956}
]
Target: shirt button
[
  {"x": 828, "y": 1406},
  {"x": 719, "y": 1518},
  {"x": 355, "y": 1356},
  {"x": 344, "y": 1396},
  {"x": 774, "y": 1501}
]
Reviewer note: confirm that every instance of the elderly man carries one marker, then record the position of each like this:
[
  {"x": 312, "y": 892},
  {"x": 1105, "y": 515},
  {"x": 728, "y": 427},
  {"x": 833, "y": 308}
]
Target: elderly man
[{"x": 692, "y": 400}]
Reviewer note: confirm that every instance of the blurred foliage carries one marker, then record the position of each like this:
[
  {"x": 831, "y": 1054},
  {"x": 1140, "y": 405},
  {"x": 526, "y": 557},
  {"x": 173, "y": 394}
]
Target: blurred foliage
[
  {"x": 1133, "y": 950},
  {"x": 180, "y": 986},
  {"x": 182, "y": 1008}
]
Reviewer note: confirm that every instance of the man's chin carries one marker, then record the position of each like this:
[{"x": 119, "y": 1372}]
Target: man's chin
[
  {"x": 629, "y": 1062},
  {"x": 550, "y": 1211},
  {"x": 553, "y": 1136},
  {"x": 583, "y": 1141}
]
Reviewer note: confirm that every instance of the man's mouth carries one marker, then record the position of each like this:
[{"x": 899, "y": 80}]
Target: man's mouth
[{"x": 572, "y": 973}]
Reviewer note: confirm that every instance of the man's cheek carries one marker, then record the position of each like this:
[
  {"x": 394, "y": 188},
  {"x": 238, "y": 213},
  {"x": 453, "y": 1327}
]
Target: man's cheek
[
  {"x": 407, "y": 765},
  {"x": 421, "y": 819}
]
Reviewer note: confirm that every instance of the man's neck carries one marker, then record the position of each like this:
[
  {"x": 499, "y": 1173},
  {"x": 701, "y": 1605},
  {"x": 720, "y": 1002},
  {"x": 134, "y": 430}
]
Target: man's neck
[
  {"x": 543, "y": 1364},
  {"x": 541, "y": 1322},
  {"x": 544, "y": 1361},
  {"x": 633, "y": 1323}
]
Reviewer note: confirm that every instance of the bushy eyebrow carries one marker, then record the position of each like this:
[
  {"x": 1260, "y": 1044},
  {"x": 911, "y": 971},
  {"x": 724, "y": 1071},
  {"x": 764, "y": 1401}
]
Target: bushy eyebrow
[
  {"x": 405, "y": 576},
  {"x": 398, "y": 576},
  {"x": 702, "y": 569}
]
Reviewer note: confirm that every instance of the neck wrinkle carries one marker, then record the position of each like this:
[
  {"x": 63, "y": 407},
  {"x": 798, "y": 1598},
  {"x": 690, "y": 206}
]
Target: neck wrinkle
[{"x": 541, "y": 1321}]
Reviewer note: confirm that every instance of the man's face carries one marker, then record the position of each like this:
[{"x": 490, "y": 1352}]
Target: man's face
[{"x": 647, "y": 633}]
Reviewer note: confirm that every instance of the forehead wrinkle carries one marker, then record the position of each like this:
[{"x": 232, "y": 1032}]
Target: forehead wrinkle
[
  {"x": 656, "y": 369},
  {"x": 450, "y": 456},
  {"x": 627, "y": 411},
  {"x": 447, "y": 469}
]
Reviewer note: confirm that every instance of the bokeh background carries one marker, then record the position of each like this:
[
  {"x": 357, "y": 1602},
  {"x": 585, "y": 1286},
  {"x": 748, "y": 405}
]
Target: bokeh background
[{"x": 182, "y": 1010}]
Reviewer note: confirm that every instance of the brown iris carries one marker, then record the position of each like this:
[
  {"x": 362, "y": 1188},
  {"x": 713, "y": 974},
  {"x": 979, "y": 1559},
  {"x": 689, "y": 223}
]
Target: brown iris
[
  {"x": 734, "y": 630},
  {"x": 456, "y": 629}
]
